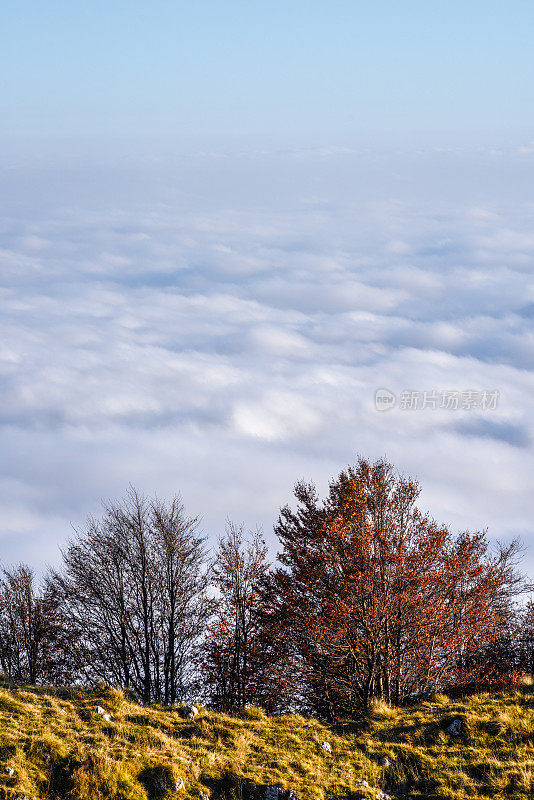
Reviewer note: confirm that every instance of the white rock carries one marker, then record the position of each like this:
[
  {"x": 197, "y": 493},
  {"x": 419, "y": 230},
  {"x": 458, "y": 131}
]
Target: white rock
[
  {"x": 99, "y": 710},
  {"x": 189, "y": 712},
  {"x": 327, "y": 747},
  {"x": 203, "y": 795},
  {"x": 178, "y": 785},
  {"x": 9, "y": 771},
  {"x": 455, "y": 728},
  {"x": 385, "y": 762},
  {"x": 107, "y": 717},
  {"x": 363, "y": 784}
]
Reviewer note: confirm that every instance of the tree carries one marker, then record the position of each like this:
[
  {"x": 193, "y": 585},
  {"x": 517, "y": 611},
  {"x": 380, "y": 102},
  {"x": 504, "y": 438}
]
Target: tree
[
  {"x": 32, "y": 632},
  {"x": 183, "y": 577},
  {"x": 234, "y": 656},
  {"x": 381, "y": 601},
  {"x": 134, "y": 587}
]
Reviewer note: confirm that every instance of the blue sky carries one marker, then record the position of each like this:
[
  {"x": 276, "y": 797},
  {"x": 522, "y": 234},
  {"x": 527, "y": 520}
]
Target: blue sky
[
  {"x": 224, "y": 226},
  {"x": 278, "y": 68}
]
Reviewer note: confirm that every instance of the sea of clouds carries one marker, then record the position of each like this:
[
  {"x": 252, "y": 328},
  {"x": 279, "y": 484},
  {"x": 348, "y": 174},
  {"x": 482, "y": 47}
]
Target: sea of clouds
[{"x": 216, "y": 323}]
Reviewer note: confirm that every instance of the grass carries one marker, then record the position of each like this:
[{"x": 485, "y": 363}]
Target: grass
[{"x": 58, "y": 747}]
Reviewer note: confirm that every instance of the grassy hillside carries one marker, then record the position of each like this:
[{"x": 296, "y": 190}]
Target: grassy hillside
[{"x": 57, "y": 746}]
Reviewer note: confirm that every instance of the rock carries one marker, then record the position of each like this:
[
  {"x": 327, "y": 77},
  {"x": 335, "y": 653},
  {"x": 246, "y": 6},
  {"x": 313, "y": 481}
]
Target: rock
[
  {"x": 178, "y": 785},
  {"x": 383, "y": 796},
  {"x": 203, "y": 795},
  {"x": 384, "y": 761},
  {"x": 99, "y": 710},
  {"x": 285, "y": 794},
  {"x": 327, "y": 747},
  {"x": 363, "y": 784},
  {"x": 455, "y": 728},
  {"x": 107, "y": 717},
  {"x": 9, "y": 771},
  {"x": 279, "y": 793},
  {"x": 189, "y": 712}
]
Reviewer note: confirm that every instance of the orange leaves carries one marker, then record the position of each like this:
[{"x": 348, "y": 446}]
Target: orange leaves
[{"x": 386, "y": 602}]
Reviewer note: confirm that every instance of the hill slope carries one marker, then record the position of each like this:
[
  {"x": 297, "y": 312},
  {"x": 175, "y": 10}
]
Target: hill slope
[{"x": 57, "y": 746}]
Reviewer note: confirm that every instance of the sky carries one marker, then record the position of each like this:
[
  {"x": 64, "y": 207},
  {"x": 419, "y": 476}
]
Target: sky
[
  {"x": 225, "y": 226},
  {"x": 287, "y": 67}
]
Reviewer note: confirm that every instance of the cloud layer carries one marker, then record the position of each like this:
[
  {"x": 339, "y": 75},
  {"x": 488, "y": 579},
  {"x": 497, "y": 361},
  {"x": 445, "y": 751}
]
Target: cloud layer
[{"x": 218, "y": 325}]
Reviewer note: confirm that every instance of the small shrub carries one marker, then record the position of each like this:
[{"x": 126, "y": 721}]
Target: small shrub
[{"x": 382, "y": 710}]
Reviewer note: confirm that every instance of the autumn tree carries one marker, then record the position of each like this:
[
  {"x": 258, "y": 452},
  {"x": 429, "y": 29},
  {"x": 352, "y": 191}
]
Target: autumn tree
[
  {"x": 233, "y": 652},
  {"x": 490, "y": 659},
  {"x": 381, "y": 600}
]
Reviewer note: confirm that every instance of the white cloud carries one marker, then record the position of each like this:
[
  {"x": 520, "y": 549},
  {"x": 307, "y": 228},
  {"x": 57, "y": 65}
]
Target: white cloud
[{"x": 226, "y": 339}]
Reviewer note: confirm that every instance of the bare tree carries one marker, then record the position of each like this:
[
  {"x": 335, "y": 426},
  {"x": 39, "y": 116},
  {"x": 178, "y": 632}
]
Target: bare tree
[
  {"x": 184, "y": 606},
  {"x": 32, "y": 634},
  {"x": 134, "y": 586},
  {"x": 233, "y": 647}
]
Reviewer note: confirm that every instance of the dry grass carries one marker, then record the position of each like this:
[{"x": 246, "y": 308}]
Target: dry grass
[{"x": 59, "y": 748}]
